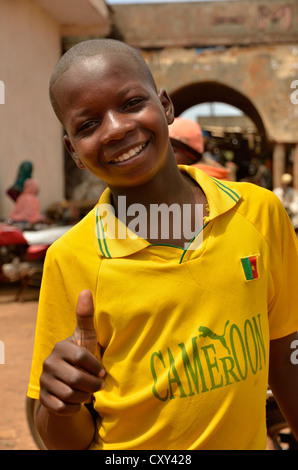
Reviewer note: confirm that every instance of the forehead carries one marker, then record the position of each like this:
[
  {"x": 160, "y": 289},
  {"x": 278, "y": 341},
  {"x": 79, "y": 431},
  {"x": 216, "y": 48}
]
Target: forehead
[
  {"x": 102, "y": 69},
  {"x": 106, "y": 77}
]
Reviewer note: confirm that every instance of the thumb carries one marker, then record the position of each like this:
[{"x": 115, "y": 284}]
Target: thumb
[{"x": 85, "y": 334}]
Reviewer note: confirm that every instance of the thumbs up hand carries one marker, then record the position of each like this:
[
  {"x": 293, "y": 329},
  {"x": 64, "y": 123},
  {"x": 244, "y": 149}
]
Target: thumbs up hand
[
  {"x": 72, "y": 373},
  {"x": 85, "y": 334}
]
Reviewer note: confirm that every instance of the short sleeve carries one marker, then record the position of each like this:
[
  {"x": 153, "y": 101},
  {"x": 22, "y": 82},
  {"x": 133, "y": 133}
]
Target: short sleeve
[
  {"x": 55, "y": 319},
  {"x": 283, "y": 276},
  {"x": 71, "y": 265}
]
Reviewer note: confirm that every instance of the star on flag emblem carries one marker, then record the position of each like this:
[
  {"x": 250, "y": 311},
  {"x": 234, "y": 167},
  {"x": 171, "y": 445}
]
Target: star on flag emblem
[{"x": 250, "y": 267}]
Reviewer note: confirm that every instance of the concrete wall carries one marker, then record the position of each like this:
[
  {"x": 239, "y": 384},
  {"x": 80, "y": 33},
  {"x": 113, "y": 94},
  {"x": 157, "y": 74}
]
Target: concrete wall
[
  {"x": 260, "y": 75},
  {"x": 259, "y": 80},
  {"x": 29, "y": 49},
  {"x": 206, "y": 23}
]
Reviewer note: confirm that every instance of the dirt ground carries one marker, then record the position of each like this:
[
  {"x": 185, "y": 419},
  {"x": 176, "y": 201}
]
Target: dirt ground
[{"x": 17, "y": 327}]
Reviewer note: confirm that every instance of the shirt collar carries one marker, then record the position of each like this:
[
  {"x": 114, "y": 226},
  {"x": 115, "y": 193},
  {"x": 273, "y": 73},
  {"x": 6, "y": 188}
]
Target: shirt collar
[
  {"x": 220, "y": 197},
  {"x": 114, "y": 240}
]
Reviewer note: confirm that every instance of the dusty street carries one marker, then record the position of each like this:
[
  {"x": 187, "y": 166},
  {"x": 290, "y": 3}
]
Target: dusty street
[{"x": 17, "y": 326}]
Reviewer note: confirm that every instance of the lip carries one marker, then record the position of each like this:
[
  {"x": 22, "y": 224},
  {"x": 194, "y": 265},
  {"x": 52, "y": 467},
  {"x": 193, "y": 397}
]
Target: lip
[{"x": 127, "y": 156}]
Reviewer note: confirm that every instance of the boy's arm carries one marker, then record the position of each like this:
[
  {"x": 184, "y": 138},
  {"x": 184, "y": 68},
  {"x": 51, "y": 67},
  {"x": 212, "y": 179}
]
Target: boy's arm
[
  {"x": 71, "y": 375},
  {"x": 73, "y": 432},
  {"x": 283, "y": 377}
]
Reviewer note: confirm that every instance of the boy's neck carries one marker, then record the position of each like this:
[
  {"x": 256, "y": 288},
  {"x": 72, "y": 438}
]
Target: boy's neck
[
  {"x": 175, "y": 188},
  {"x": 165, "y": 187}
]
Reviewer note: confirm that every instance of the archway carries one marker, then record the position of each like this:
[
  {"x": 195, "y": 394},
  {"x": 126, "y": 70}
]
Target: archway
[
  {"x": 243, "y": 149},
  {"x": 212, "y": 91}
]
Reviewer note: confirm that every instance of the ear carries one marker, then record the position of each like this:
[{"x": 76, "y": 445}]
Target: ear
[
  {"x": 72, "y": 152},
  {"x": 167, "y": 105}
]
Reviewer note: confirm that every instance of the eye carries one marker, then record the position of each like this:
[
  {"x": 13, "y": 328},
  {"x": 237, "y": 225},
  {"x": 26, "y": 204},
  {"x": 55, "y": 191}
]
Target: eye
[
  {"x": 134, "y": 103},
  {"x": 87, "y": 126}
]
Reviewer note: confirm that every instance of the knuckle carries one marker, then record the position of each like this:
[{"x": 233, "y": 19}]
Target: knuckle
[
  {"x": 57, "y": 405},
  {"x": 80, "y": 354},
  {"x": 58, "y": 347},
  {"x": 75, "y": 379},
  {"x": 60, "y": 407},
  {"x": 65, "y": 409},
  {"x": 47, "y": 365},
  {"x": 68, "y": 394}
]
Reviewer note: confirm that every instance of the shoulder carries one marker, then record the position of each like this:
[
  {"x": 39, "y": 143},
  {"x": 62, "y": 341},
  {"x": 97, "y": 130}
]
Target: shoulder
[
  {"x": 250, "y": 189},
  {"x": 77, "y": 240},
  {"x": 72, "y": 261},
  {"x": 262, "y": 208},
  {"x": 255, "y": 197}
]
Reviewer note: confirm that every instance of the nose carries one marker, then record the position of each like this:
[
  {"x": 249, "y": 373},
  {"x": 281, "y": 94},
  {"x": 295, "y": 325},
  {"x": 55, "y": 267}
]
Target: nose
[{"x": 115, "y": 126}]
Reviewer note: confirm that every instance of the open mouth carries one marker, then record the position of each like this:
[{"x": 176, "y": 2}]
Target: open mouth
[{"x": 130, "y": 154}]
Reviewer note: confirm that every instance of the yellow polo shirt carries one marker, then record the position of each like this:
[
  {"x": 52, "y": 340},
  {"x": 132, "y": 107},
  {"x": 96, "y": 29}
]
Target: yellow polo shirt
[{"x": 185, "y": 332}]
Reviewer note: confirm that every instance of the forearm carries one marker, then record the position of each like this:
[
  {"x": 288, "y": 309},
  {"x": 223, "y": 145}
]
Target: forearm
[
  {"x": 283, "y": 379},
  {"x": 73, "y": 432}
]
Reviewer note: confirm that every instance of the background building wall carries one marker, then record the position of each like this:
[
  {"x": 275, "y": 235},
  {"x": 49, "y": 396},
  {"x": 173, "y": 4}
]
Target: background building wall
[
  {"x": 30, "y": 46},
  {"x": 261, "y": 74}
]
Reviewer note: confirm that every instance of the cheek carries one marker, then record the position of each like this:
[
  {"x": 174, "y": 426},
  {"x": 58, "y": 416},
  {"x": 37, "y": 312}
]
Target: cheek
[
  {"x": 157, "y": 119},
  {"x": 87, "y": 151},
  {"x": 161, "y": 131}
]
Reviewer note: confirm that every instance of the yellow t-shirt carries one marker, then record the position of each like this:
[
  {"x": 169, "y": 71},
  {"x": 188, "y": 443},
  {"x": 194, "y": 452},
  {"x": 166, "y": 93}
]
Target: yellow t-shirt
[{"x": 185, "y": 332}]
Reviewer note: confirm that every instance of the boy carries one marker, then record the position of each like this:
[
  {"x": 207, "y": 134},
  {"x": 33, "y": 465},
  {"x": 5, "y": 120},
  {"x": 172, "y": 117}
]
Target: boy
[{"x": 172, "y": 331}]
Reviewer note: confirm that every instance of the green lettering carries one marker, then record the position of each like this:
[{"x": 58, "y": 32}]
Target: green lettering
[
  {"x": 246, "y": 325},
  {"x": 193, "y": 371},
  {"x": 260, "y": 340},
  {"x": 175, "y": 378},
  {"x": 212, "y": 365},
  {"x": 229, "y": 371},
  {"x": 154, "y": 375},
  {"x": 243, "y": 374}
]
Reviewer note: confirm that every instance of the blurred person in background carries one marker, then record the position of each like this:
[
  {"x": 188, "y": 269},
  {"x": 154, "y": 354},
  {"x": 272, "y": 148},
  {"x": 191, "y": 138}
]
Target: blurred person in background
[
  {"x": 289, "y": 197},
  {"x": 24, "y": 172},
  {"x": 26, "y": 209},
  {"x": 188, "y": 144}
]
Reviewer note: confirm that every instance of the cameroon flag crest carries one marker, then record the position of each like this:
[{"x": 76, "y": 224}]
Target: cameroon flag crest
[{"x": 250, "y": 267}]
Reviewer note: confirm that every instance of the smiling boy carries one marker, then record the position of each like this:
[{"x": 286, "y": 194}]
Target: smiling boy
[{"x": 155, "y": 380}]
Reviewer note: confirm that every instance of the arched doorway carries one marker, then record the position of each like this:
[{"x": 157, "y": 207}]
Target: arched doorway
[
  {"x": 242, "y": 145},
  {"x": 203, "y": 92}
]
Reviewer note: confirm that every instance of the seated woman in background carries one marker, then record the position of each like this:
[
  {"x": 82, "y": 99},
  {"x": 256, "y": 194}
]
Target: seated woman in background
[
  {"x": 24, "y": 172},
  {"x": 27, "y": 208}
]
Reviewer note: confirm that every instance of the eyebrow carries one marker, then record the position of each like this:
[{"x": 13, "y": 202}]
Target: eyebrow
[
  {"x": 81, "y": 113},
  {"x": 77, "y": 117}
]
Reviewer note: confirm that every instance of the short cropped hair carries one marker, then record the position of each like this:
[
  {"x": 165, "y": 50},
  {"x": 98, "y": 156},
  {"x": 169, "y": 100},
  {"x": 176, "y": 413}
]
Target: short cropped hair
[{"x": 97, "y": 47}]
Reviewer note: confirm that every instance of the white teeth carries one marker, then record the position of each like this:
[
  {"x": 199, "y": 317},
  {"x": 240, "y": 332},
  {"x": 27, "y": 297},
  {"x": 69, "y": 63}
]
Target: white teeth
[{"x": 131, "y": 153}]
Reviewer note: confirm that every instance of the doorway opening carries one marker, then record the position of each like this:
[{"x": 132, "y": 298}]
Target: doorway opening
[{"x": 233, "y": 129}]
